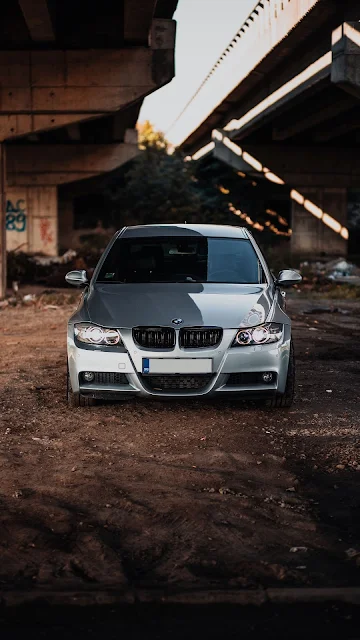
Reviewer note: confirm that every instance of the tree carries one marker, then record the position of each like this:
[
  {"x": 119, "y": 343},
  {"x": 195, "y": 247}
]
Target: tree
[
  {"x": 160, "y": 187},
  {"x": 149, "y": 137}
]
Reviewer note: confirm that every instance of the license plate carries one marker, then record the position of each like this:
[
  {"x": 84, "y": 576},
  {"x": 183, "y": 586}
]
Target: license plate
[{"x": 176, "y": 365}]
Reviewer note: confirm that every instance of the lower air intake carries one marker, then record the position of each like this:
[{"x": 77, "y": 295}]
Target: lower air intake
[
  {"x": 177, "y": 382},
  {"x": 110, "y": 378}
]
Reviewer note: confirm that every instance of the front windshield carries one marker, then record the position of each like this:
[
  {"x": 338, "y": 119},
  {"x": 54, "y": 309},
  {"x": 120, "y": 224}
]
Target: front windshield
[{"x": 182, "y": 259}]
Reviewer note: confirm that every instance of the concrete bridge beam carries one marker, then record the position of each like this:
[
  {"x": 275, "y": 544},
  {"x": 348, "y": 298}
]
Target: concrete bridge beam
[
  {"x": 40, "y": 90},
  {"x": 345, "y": 68},
  {"x": 311, "y": 166},
  {"x": 52, "y": 165}
]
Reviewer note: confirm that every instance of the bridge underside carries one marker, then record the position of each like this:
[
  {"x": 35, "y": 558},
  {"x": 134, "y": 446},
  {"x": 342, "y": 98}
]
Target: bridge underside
[
  {"x": 73, "y": 76},
  {"x": 297, "y": 115}
]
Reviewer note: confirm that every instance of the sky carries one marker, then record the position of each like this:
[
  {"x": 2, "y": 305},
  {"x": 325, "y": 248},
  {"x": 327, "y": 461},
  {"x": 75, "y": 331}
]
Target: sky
[{"x": 204, "y": 29}]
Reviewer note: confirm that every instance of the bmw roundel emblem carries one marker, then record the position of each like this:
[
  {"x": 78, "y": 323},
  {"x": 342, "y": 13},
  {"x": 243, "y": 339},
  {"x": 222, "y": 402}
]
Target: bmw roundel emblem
[{"x": 177, "y": 321}]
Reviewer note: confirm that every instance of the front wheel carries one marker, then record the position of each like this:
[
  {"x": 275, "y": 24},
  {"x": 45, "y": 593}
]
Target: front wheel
[
  {"x": 284, "y": 400},
  {"x": 76, "y": 399}
]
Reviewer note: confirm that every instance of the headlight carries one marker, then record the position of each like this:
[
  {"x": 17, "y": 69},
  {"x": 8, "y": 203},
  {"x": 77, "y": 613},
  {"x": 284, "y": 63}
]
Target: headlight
[
  {"x": 262, "y": 334},
  {"x": 91, "y": 334}
]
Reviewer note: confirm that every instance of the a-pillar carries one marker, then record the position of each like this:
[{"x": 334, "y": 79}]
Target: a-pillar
[
  {"x": 310, "y": 236},
  {"x": 32, "y": 219}
]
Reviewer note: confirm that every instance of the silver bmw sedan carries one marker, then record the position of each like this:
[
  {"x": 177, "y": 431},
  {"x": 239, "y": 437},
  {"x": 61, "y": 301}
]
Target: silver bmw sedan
[{"x": 183, "y": 311}]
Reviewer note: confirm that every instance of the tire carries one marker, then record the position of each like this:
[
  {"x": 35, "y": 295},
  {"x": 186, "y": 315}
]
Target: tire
[
  {"x": 285, "y": 400},
  {"x": 76, "y": 399}
]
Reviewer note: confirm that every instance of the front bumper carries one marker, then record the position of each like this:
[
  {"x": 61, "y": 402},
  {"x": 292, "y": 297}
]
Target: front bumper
[{"x": 225, "y": 361}]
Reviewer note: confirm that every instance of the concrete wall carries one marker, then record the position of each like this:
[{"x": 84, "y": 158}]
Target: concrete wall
[
  {"x": 310, "y": 237},
  {"x": 31, "y": 220},
  {"x": 66, "y": 223}
]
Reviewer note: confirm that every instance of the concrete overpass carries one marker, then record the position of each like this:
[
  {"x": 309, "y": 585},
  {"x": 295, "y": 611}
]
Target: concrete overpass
[
  {"x": 73, "y": 76},
  {"x": 282, "y": 103}
]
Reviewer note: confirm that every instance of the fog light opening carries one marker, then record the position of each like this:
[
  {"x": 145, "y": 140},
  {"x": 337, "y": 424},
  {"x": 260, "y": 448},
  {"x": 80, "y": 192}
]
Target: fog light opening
[
  {"x": 267, "y": 377},
  {"x": 88, "y": 376}
]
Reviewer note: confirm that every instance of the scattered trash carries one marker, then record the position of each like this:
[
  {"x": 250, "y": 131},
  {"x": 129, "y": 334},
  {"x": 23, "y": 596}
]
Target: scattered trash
[
  {"x": 342, "y": 270},
  {"x": 29, "y": 298},
  {"x": 338, "y": 270},
  {"x": 298, "y": 549},
  {"x": 291, "y": 489},
  {"x": 46, "y": 261},
  {"x": 45, "y": 440},
  {"x": 45, "y": 300},
  {"x": 352, "y": 553},
  {"x": 328, "y": 390}
]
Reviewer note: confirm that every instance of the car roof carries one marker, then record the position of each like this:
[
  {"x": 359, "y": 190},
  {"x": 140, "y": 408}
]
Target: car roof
[{"x": 206, "y": 230}]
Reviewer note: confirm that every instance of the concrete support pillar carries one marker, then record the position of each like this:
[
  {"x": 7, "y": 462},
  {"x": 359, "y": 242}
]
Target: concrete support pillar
[
  {"x": 66, "y": 222},
  {"x": 310, "y": 236},
  {"x": 2, "y": 222},
  {"x": 32, "y": 219}
]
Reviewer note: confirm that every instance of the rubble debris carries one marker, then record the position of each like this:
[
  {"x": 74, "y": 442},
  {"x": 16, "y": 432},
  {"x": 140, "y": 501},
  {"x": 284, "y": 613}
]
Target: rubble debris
[
  {"x": 29, "y": 298},
  {"x": 46, "y": 300},
  {"x": 46, "y": 261},
  {"x": 323, "y": 309},
  {"x": 339, "y": 271},
  {"x": 352, "y": 553}
]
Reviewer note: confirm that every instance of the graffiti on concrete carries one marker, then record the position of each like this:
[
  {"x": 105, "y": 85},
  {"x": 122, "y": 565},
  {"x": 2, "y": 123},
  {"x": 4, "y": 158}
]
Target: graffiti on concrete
[
  {"x": 46, "y": 232},
  {"x": 16, "y": 216}
]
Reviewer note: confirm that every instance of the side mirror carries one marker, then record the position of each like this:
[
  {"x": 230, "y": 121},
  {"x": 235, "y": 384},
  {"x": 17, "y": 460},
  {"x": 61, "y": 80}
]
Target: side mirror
[
  {"x": 288, "y": 277},
  {"x": 77, "y": 278}
]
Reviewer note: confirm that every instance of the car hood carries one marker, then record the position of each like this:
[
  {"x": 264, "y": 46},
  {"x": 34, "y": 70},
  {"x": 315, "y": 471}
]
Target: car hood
[{"x": 196, "y": 305}]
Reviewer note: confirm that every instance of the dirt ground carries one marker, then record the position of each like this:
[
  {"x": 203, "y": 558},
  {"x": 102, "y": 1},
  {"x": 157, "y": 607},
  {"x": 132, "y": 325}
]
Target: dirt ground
[{"x": 179, "y": 495}]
